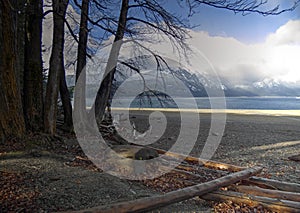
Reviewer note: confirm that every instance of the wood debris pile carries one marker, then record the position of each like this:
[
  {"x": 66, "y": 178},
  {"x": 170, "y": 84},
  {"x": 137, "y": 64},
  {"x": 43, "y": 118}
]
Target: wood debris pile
[{"x": 232, "y": 188}]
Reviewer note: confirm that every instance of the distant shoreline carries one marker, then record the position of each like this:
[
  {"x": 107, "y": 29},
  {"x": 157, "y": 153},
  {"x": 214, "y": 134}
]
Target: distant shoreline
[{"x": 227, "y": 111}]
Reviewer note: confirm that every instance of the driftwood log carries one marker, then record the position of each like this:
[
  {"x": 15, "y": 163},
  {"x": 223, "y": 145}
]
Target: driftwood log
[
  {"x": 206, "y": 163},
  {"x": 282, "y": 195},
  {"x": 154, "y": 202},
  {"x": 273, "y": 204},
  {"x": 275, "y": 195},
  {"x": 279, "y": 185}
]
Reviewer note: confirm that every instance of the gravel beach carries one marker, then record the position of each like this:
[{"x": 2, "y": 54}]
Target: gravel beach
[{"x": 247, "y": 140}]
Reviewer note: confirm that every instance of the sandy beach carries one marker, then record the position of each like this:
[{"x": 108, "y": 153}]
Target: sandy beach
[{"x": 248, "y": 140}]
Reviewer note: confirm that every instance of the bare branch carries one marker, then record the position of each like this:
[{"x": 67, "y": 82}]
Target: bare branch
[
  {"x": 245, "y": 7},
  {"x": 47, "y": 12},
  {"x": 136, "y": 70}
]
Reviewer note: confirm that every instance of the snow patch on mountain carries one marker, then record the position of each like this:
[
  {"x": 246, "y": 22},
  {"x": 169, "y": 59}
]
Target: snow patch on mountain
[{"x": 267, "y": 83}]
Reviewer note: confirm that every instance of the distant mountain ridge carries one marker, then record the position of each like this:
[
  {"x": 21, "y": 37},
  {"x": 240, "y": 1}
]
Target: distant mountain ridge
[
  {"x": 198, "y": 85},
  {"x": 202, "y": 84}
]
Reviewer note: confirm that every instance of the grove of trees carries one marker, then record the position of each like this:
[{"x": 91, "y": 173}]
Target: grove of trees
[{"x": 29, "y": 95}]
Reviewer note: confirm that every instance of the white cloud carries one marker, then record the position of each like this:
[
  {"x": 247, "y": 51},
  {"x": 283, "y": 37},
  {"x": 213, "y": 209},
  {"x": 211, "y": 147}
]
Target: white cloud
[
  {"x": 277, "y": 57},
  {"x": 288, "y": 34}
]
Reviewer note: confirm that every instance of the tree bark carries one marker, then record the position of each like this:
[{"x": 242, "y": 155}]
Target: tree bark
[
  {"x": 66, "y": 101},
  {"x": 56, "y": 64},
  {"x": 104, "y": 91},
  {"x": 83, "y": 37},
  {"x": 79, "y": 98},
  {"x": 11, "y": 112},
  {"x": 20, "y": 46},
  {"x": 33, "y": 71}
]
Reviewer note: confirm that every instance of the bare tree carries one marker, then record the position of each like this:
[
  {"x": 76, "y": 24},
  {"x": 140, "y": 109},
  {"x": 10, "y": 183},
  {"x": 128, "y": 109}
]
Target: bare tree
[
  {"x": 83, "y": 38},
  {"x": 56, "y": 65},
  {"x": 80, "y": 101},
  {"x": 106, "y": 84}
]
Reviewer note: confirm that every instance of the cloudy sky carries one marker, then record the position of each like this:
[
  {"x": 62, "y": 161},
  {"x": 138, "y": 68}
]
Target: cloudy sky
[
  {"x": 276, "y": 57},
  {"x": 244, "y": 49},
  {"x": 248, "y": 48}
]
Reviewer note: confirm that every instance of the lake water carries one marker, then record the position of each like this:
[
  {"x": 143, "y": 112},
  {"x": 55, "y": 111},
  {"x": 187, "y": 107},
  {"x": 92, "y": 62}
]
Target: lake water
[{"x": 259, "y": 103}]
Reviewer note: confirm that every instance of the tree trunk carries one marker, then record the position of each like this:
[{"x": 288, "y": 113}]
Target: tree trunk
[
  {"x": 33, "y": 72},
  {"x": 56, "y": 64},
  {"x": 20, "y": 45},
  {"x": 79, "y": 98},
  {"x": 11, "y": 112},
  {"x": 66, "y": 101},
  {"x": 106, "y": 84},
  {"x": 83, "y": 37}
]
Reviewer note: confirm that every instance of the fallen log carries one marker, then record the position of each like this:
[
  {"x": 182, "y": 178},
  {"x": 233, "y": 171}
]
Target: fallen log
[
  {"x": 279, "y": 185},
  {"x": 260, "y": 185},
  {"x": 130, "y": 150},
  {"x": 185, "y": 167},
  {"x": 154, "y": 202},
  {"x": 283, "y": 195},
  {"x": 203, "y": 162},
  {"x": 272, "y": 204}
]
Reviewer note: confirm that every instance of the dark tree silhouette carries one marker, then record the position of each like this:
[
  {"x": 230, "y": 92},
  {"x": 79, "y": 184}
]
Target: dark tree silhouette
[
  {"x": 79, "y": 101},
  {"x": 56, "y": 66},
  {"x": 33, "y": 69},
  {"x": 11, "y": 112}
]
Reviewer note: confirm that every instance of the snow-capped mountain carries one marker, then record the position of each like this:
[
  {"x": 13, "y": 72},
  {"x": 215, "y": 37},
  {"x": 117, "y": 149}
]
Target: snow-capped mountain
[
  {"x": 200, "y": 85},
  {"x": 264, "y": 87},
  {"x": 267, "y": 83}
]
